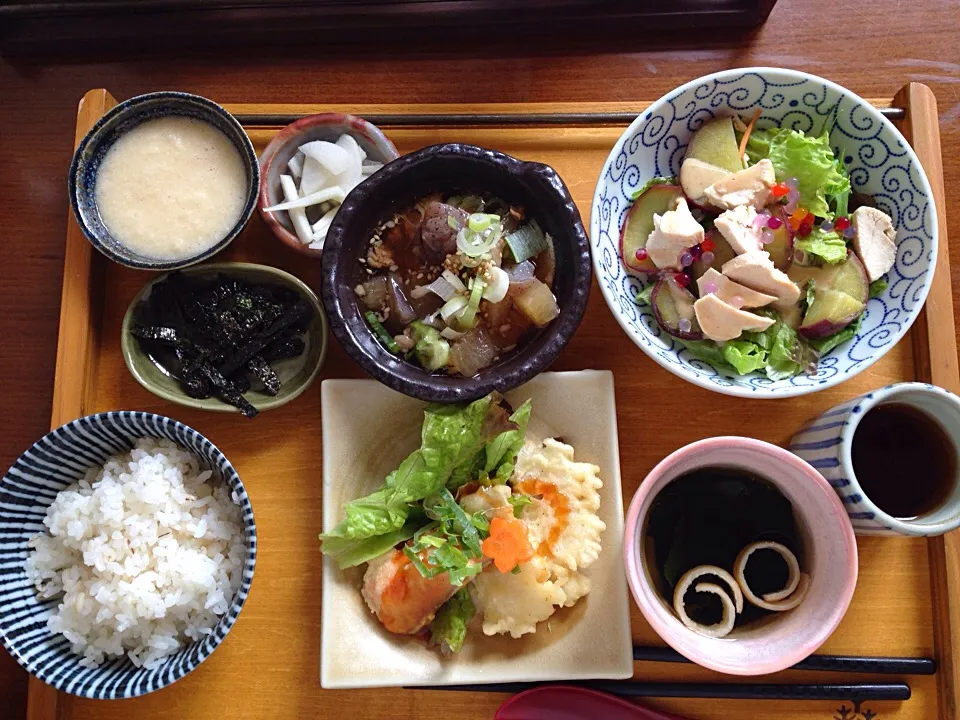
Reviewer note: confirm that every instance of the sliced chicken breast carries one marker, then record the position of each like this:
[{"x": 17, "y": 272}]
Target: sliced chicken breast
[
  {"x": 737, "y": 228},
  {"x": 721, "y": 321},
  {"x": 874, "y": 242},
  {"x": 756, "y": 270},
  {"x": 673, "y": 234},
  {"x": 713, "y": 283},
  {"x": 746, "y": 187}
]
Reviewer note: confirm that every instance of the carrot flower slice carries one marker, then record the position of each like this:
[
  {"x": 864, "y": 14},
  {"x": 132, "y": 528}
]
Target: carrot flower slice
[{"x": 507, "y": 545}]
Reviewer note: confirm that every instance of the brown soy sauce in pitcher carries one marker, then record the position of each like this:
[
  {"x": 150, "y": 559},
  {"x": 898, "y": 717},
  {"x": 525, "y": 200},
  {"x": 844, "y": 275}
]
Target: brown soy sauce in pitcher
[{"x": 903, "y": 460}]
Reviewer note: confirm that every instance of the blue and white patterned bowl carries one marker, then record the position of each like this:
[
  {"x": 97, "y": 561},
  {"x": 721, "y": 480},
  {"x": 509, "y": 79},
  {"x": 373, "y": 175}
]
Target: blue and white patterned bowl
[
  {"x": 826, "y": 442},
  {"x": 58, "y": 459},
  {"x": 123, "y": 117},
  {"x": 881, "y": 164}
]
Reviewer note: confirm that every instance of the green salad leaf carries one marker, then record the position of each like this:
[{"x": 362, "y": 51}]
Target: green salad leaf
[
  {"x": 807, "y": 158},
  {"x": 828, "y": 246},
  {"x": 810, "y": 294},
  {"x": 452, "y": 439},
  {"x": 744, "y": 356},
  {"x": 650, "y": 183},
  {"x": 758, "y": 145},
  {"x": 519, "y": 501},
  {"x": 839, "y": 195},
  {"x": 449, "y": 627},
  {"x": 454, "y": 522},
  {"x": 878, "y": 286},
  {"x": 778, "y": 351},
  {"x": 828, "y": 343},
  {"x": 782, "y": 362},
  {"x": 350, "y": 553},
  {"x": 501, "y": 454},
  {"x": 643, "y": 297},
  {"x": 450, "y": 544},
  {"x": 706, "y": 350}
]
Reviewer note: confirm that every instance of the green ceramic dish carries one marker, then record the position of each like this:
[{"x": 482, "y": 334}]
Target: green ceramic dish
[{"x": 295, "y": 374}]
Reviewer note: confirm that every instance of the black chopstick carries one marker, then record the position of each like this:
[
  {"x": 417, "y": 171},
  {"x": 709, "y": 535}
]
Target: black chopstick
[
  {"x": 739, "y": 691},
  {"x": 831, "y": 663},
  {"x": 485, "y": 119}
]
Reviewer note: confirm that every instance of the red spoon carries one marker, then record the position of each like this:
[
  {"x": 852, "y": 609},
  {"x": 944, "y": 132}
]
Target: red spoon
[{"x": 564, "y": 702}]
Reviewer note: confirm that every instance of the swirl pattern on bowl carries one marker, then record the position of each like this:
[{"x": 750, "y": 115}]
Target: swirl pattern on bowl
[{"x": 880, "y": 162}]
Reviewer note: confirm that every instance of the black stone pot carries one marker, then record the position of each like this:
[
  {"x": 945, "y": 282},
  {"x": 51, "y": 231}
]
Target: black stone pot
[{"x": 454, "y": 167}]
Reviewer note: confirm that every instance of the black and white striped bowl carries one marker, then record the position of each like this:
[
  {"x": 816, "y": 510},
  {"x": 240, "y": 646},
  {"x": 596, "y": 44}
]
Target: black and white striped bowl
[{"x": 57, "y": 460}]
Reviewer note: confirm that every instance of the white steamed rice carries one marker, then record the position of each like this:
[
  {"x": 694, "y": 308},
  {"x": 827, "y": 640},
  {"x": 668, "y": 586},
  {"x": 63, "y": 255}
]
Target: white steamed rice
[{"x": 146, "y": 554}]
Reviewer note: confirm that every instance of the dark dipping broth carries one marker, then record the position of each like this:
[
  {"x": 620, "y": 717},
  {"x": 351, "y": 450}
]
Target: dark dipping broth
[
  {"x": 707, "y": 517},
  {"x": 903, "y": 460},
  {"x": 457, "y": 282}
]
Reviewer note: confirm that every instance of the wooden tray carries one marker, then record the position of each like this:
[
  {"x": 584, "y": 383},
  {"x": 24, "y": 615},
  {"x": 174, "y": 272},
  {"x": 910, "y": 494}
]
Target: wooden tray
[{"x": 908, "y": 598}]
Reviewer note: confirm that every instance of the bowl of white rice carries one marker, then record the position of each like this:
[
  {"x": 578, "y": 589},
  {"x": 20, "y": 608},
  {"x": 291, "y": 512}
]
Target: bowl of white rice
[{"x": 129, "y": 549}]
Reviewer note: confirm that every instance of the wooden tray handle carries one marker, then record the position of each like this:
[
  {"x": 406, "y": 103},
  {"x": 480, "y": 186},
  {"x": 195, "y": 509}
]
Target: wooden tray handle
[
  {"x": 76, "y": 372},
  {"x": 935, "y": 359}
]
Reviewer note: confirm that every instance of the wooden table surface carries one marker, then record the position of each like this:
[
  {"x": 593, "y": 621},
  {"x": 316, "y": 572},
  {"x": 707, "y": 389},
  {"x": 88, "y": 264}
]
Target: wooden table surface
[{"x": 872, "y": 48}]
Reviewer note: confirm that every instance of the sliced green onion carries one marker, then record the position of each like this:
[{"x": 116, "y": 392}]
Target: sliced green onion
[
  {"x": 474, "y": 244},
  {"x": 527, "y": 242},
  {"x": 496, "y": 290},
  {"x": 381, "y": 332},
  {"x": 468, "y": 318},
  {"x": 452, "y": 308},
  {"x": 452, "y": 222},
  {"x": 440, "y": 287},
  {"x": 470, "y": 203},
  {"x": 478, "y": 222},
  {"x": 454, "y": 280}
]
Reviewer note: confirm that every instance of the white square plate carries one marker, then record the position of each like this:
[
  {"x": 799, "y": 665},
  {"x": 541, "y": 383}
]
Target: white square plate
[{"x": 368, "y": 430}]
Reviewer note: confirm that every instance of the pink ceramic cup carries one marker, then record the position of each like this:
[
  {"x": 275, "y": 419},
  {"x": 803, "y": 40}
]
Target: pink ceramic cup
[{"x": 829, "y": 556}]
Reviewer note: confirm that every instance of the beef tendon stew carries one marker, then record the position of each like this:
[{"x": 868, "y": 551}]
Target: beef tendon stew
[{"x": 456, "y": 283}]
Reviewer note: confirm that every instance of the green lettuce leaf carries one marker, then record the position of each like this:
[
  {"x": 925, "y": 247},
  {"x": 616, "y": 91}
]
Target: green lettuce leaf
[
  {"x": 778, "y": 351},
  {"x": 350, "y": 553},
  {"x": 784, "y": 351},
  {"x": 501, "y": 454},
  {"x": 758, "y": 146},
  {"x": 810, "y": 295},
  {"x": 878, "y": 286},
  {"x": 812, "y": 162},
  {"x": 744, "y": 356},
  {"x": 451, "y": 438},
  {"x": 651, "y": 182},
  {"x": 449, "y": 627},
  {"x": 706, "y": 350},
  {"x": 828, "y": 246},
  {"x": 519, "y": 501},
  {"x": 643, "y": 297},
  {"x": 839, "y": 196},
  {"x": 828, "y": 343},
  {"x": 787, "y": 353}
]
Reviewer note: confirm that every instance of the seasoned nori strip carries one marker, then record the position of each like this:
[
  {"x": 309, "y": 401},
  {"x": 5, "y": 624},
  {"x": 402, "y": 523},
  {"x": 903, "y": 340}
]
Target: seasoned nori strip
[
  {"x": 227, "y": 392},
  {"x": 283, "y": 348},
  {"x": 241, "y": 381},
  {"x": 256, "y": 344},
  {"x": 265, "y": 374},
  {"x": 156, "y": 333},
  {"x": 218, "y": 332}
]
